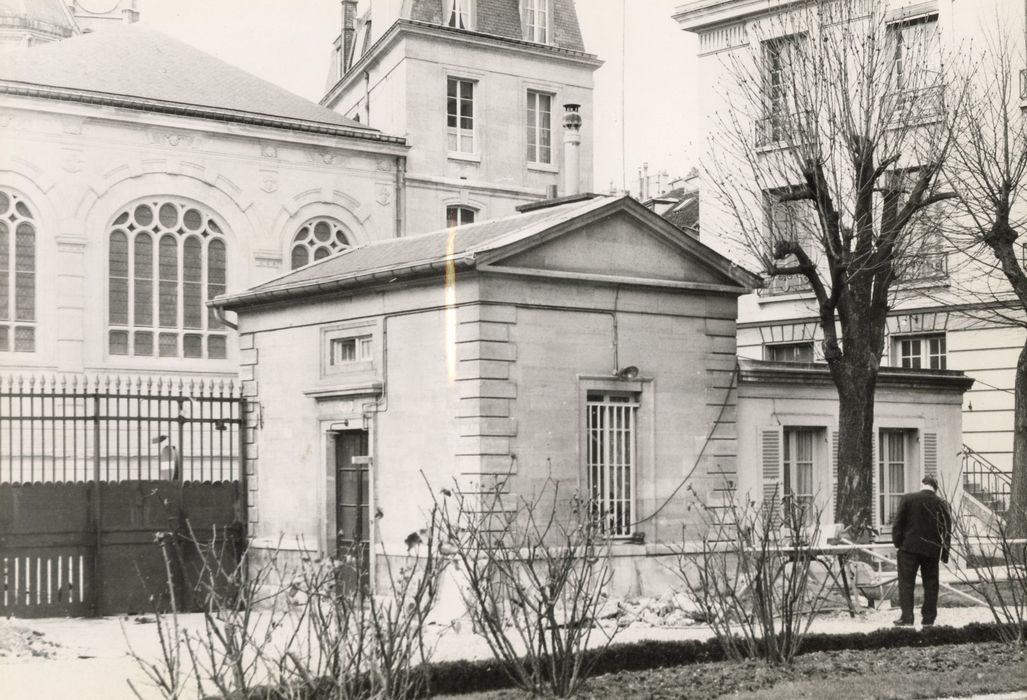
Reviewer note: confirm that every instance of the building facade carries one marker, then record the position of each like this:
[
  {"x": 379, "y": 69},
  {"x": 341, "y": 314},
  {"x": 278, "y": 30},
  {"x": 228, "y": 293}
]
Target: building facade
[
  {"x": 943, "y": 318},
  {"x": 478, "y": 88}
]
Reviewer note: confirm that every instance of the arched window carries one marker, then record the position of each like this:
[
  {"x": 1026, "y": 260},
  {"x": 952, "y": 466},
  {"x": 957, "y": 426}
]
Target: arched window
[
  {"x": 457, "y": 215},
  {"x": 317, "y": 239},
  {"x": 17, "y": 274},
  {"x": 166, "y": 260}
]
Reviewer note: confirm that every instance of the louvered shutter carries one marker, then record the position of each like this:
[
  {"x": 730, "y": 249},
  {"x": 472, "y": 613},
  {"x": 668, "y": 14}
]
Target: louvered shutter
[
  {"x": 834, "y": 475},
  {"x": 875, "y": 469},
  {"x": 771, "y": 458},
  {"x": 930, "y": 454}
]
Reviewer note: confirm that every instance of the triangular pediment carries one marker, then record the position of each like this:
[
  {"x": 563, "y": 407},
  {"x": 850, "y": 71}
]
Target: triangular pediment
[{"x": 624, "y": 245}]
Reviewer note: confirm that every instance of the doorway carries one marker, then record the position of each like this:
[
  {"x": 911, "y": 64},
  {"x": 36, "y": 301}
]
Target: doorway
[{"x": 352, "y": 512}]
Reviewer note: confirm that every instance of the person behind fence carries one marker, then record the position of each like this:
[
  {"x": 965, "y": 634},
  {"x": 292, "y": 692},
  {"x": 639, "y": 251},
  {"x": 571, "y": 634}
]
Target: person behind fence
[{"x": 922, "y": 532}]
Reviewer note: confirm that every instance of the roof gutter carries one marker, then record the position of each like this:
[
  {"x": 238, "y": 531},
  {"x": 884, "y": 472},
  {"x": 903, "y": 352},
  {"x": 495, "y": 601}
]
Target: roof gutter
[
  {"x": 8, "y": 87},
  {"x": 259, "y": 297}
]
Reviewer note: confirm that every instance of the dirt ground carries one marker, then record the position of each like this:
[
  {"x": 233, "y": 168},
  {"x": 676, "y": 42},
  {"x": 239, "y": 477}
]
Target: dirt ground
[{"x": 88, "y": 659}]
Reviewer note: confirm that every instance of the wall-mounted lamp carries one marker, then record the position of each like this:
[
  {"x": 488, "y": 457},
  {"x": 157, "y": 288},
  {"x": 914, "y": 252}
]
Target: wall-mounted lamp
[{"x": 629, "y": 372}]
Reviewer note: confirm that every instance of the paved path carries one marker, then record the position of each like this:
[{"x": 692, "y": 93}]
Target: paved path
[{"x": 88, "y": 659}]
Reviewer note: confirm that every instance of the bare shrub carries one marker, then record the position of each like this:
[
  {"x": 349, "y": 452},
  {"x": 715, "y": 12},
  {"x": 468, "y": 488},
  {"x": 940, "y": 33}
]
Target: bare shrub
[
  {"x": 990, "y": 562},
  {"x": 751, "y": 577},
  {"x": 310, "y": 629},
  {"x": 536, "y": 575}
]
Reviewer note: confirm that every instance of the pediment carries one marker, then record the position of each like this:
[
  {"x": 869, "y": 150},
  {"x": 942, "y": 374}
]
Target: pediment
[{"x": 622, "y": 245}]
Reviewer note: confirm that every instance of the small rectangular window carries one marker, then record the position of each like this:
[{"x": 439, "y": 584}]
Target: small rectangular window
[
  {"x": 926, "y": 351},
  {"x": 460, "y": 115},
  {"x": 346, "y": 350},
  {"x": 540, "y": 127},
  {"x": 790, "y": 352}
]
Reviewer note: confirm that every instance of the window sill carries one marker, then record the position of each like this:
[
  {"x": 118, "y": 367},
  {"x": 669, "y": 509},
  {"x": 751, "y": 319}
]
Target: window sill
[
  {"x": 340, "y": 391},
  {"x": 464, "y": 157},
  {"x": 544, "y": 167}
]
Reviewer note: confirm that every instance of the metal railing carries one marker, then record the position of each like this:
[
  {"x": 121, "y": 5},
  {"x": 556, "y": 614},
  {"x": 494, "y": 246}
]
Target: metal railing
[
  {"x": 930, "y": 266},
  {"x": 911, "y": 107},
  {"x": 77, "y": 429},
  {"x": 991, "y": 486},
  {"x": 785, "y": 284}
]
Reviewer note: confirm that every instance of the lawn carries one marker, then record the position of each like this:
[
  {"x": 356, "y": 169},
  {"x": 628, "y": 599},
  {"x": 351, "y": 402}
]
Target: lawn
[{"x": 906, "y": 672}]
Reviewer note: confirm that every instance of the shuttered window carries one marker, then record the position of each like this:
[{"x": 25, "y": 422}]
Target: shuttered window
[
  {"x": 17, "y": 274},
  {"x": 166, "y": 260},
  {"x": 611, "y": 460}
]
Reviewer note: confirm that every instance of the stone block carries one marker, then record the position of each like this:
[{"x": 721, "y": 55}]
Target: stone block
[
  {"x": 493, "y": 313},
  {"x": 247, "y": 341},
  {"x": 483, "y": 407},
  {"x": 482, "y": 330},
  {"x": 483, "y": 369},
  {"x": 494, "y": 427},
  {"x": 487, "y": 389},
  {"x": 248, "y": 357},
  {"x": 483, "y": 446},
  {"x": 486, "y": 350}
]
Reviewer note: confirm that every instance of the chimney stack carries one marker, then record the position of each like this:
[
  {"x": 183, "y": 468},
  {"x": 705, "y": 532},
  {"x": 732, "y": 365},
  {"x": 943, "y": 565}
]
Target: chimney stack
[
  {"x": 349, "y": 28},
  {"x": 571, "y": 149}
]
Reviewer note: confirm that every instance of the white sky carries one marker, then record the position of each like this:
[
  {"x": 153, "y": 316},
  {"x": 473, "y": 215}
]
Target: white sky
[{"x": 288, "y": 41}]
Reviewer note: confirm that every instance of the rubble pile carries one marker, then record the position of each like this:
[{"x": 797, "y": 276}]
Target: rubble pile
[{"x": 669, "y": 610}]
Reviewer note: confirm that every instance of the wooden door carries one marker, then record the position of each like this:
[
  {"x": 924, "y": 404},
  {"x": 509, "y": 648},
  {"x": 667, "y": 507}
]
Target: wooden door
[{"x": 352, "y": 498}]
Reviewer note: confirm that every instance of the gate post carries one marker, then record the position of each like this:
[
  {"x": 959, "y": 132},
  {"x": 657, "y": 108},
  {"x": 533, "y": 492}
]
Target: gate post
[{"x": 97, "y": 582}]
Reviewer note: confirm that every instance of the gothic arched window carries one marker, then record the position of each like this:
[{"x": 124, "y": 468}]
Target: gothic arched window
[
  {"x": 167, "y": 258},
  {"x": 17, "y": 274},
  {"x": 317, "y": 239}
]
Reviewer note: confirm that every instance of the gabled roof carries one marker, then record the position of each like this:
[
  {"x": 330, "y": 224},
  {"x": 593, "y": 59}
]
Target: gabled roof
[
  {"x": 463, "y": 247},
  {"x": 136, "y": 67}
]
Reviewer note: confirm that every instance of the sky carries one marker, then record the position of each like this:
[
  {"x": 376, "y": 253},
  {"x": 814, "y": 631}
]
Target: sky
[{"x": 288, "y": 43}]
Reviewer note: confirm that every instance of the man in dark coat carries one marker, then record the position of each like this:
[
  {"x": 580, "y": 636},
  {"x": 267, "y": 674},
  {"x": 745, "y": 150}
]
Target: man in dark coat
[{"x": 922, "y": 532}]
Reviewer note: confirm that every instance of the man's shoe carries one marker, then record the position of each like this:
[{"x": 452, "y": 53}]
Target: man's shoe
[{"x": 903, "y": 623}]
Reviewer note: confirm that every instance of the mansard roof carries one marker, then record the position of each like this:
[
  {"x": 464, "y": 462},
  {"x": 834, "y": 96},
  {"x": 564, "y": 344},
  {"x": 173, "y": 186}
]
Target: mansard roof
[
  {"x": 502, "y": 18},
  {"x": 139, "y": 68}
]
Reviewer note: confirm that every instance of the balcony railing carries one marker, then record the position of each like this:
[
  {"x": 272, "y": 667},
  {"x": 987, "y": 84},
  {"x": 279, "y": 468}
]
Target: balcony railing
[
  {"x": 932, "y": 266},
  {"x": 784, "y": 284},
  {"x": 910, "y": 107}
]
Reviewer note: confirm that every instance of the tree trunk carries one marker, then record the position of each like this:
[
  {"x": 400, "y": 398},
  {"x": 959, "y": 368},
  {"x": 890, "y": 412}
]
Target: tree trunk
[
  {"x": 855, "y": 381},
  {"x": 1017, "y": 517}
]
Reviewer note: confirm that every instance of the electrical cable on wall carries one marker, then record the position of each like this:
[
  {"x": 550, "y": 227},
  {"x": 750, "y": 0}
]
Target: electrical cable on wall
[{"x": 702, "y": 450}]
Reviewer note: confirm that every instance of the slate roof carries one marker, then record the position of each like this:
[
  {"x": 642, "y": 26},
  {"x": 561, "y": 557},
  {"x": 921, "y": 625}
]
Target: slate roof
[
  {"x": 134, "y": 62},
  {"x": 426, "y": 254},
  {"x": 502, "y": 18}
]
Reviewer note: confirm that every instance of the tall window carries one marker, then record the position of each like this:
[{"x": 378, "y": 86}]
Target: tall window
[
  {"x": 459, "y": 216},
  {"x": 781, "y": 62},
  {"x": 920, "y": 351},
  {"x": 540, "y": 127},
  {"x": 798, "y": 469},
  {"x": 166, "y": 260},
  {"x": 611, "y": 431},
  {"x": 916, "y": 53},
  {"x": 17, "y": 274},
  {"x": 892, "y": 477},
  {"x": 460, "y": 14},
  {"x": 317, "y": 239},
  {"x": 460, "y": 115},
  {"x": 536, "y": 20}
]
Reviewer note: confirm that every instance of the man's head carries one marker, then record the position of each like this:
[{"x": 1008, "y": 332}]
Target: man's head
[{"x": 930, "y": 481}]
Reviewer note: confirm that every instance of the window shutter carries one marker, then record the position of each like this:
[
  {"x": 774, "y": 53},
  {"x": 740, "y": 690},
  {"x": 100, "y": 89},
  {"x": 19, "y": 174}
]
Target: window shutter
[
  {"x": 930, "y": 466},
  {"x": 834, "y": 475},
  {"x": 771, "y": 457},
  {"x": 875, "y": 515}
]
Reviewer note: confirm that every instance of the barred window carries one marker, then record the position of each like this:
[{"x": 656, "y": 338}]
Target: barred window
[
  {"x": 165, "y": 261},
  {"x": 17, "y": 274},
  {"x": 610, "y": 431},
  {"x": 316, "y": 240}
]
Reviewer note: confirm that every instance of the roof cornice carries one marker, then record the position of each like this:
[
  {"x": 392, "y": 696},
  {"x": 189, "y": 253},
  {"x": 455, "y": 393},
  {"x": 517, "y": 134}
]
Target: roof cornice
[
  {"x": 763, "y": 372},
  {"x": 700, "y": 15},
  {"x": 412, "y": 26},
  {"x": 8, "y": 87}
]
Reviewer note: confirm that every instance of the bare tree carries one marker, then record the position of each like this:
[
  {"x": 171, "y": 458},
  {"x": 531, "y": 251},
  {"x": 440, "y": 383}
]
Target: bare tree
[
  {"x": 988, "y": 170},
  {"x": 839, "y": 183}
]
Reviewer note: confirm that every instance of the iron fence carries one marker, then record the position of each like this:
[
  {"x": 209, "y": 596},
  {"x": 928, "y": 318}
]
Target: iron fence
[
  {"x": 58, "y": 429},
  {"x": 986, "y": 482}
]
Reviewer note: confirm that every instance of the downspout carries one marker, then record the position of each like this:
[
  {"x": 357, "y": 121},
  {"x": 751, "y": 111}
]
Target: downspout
[{"x": 367, "y": 97}]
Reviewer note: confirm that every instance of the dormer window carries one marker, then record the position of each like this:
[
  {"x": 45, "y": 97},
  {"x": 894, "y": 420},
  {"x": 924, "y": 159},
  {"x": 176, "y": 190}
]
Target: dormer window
[
  {"x": 460, "y": 14},
  {"x": 536, "y": 20}
]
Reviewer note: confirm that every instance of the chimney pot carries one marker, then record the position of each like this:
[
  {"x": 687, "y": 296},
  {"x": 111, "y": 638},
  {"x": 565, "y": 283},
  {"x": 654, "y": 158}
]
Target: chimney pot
[{"x": 571, "y": 149}]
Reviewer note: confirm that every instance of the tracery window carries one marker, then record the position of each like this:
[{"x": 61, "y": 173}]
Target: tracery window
[
  {"x": 17, "y": 274},
  {"x": 317, "y": 239},
  {"x": 166, "y": 259}
]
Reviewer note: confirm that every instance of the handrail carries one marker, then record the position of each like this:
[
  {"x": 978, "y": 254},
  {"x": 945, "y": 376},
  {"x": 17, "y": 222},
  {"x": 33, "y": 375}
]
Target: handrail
[{"x": 987, "y": 483}]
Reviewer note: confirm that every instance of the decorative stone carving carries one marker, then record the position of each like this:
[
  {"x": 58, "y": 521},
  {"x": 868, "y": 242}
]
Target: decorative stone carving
[
  {"x": 72, "y": 160},
  {"x": 268, "y": 150},
  {"x": 269, "y": 181},
  {"x": 383, "y": 194},
  {"x": 6, "y": 118},
  {"x": 72, "y": 124},
  {"x": 165, "y": 137},
  {"x": 271, "y": 261},
  {"x": 384, "y": 165},
  {"x": 325, "y": 157}
]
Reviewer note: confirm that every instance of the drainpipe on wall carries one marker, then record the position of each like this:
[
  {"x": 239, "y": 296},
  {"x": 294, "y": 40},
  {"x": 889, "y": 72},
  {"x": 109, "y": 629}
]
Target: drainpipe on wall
[{"x": 401, "y": 195}]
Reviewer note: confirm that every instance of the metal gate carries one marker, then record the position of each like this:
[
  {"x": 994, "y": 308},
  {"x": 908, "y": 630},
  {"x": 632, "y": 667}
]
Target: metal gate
[{"x": 99, "y": 475}]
